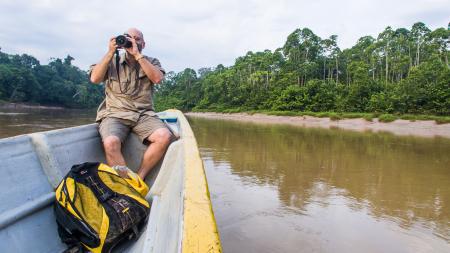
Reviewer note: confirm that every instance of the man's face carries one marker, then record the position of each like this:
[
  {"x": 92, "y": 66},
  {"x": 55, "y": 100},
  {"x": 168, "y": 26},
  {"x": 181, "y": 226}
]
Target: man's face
[{"x": 138, "y": 38}]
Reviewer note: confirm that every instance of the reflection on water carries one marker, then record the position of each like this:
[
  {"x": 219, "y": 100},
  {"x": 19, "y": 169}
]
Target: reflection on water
[
  {"x": 287, "y": 189},
  {"x": 22, "y": 121}
]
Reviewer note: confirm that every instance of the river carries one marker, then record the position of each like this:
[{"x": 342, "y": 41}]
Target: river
[
  {"x": 290, "y": 189},
  {"x": 278, "y": 188}
]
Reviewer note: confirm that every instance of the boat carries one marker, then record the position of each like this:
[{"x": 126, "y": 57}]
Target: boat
[{"x": 31, "y": 166}]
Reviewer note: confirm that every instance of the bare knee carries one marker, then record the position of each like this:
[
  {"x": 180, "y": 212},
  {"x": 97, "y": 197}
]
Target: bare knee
[
  {"x": 112, "y": 144},
  {"x": 161, "y": 136}
]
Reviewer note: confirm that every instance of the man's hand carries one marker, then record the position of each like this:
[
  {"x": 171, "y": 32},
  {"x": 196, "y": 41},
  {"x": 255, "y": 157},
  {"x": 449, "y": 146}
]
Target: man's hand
[
  {"x": 112, "y": 46},
  {"x": 153, "y": 73},
  {"x": 99, "y": 71},
  {"x": 134, "y": 50}
]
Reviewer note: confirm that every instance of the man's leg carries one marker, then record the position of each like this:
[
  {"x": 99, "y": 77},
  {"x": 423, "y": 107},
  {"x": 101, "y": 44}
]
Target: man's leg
[
  {"x": 113, "y": 151},
  {"x": 113, "y": 132},
  {"x": 159, "y": 141},
  {"x": 152, "y": 130}
]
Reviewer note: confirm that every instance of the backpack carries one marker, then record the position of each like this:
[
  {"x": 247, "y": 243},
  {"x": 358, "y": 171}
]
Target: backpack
[{"x": 95, "y": 208}]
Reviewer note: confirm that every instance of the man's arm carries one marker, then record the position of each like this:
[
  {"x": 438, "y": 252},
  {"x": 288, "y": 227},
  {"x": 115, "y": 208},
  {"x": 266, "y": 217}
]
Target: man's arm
[
  {"x": 99, "y": 70},
  {"x": 153, "y": 73}
]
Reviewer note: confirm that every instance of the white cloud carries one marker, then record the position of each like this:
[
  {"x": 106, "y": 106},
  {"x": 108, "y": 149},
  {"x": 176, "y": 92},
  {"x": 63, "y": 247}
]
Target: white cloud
[{"x": 198, "y": 33}]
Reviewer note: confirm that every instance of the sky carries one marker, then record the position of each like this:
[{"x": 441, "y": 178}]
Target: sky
[{"x": 198, "y": 33}]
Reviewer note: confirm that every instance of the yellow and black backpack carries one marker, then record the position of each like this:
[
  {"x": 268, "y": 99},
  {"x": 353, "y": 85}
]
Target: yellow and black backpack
[{"x": 96, "y": 208}]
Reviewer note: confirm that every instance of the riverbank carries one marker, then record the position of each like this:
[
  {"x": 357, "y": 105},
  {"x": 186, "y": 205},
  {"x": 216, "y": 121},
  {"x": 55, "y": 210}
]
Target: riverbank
[
  {"x": 7, "y": 105},
  {"x": 402, "y": 127}
]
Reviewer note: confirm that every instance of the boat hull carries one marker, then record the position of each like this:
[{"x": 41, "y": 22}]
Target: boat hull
[{"x": 181, "y": 217}]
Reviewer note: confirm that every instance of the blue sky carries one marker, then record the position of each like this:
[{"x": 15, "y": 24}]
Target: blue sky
[{"x": 198, "y": 33}]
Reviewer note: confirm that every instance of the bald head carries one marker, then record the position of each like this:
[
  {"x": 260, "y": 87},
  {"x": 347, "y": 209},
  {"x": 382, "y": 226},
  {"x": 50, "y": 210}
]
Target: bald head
[
  {"x": 138, "y": 36},
  {"x": 134, "y": 32}
]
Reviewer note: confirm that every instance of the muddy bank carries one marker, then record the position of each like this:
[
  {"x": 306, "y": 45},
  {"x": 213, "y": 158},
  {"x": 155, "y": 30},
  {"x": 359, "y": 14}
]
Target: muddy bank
[
  {"x": 28, "y": 106},
  {"x": 422, "y": 128}
]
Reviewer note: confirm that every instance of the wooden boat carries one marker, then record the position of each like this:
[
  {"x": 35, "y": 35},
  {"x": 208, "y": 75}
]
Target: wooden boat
[{"x": 31, "y": 166}]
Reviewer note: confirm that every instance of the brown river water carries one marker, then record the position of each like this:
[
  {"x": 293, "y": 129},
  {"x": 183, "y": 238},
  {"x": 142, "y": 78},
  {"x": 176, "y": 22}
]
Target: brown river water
[{"x": 278, "y": 188}]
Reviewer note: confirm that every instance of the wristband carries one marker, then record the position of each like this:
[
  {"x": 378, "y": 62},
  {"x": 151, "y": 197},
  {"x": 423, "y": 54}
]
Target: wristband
[{"x": 140, "y": 57}]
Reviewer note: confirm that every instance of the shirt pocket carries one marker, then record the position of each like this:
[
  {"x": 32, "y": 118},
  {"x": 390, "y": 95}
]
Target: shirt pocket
[{"x": 116, "y": 86}]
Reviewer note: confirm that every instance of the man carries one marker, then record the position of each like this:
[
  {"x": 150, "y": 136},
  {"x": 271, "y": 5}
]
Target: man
[{"x": 128, "y": 104}]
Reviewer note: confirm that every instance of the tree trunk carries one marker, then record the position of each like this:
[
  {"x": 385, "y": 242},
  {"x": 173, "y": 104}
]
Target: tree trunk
[
  {"x": 337, "y": 70},
  {"x": 373, "y": 71},
  {"x": 346, "y": 72},
  {"x": 387, "y": 62},
  {"x": 13, "y": 94},
  {"x": 418, "y": 54},
  {"x": 446, "y": 60},
  {"x": 410, "y": 59}
]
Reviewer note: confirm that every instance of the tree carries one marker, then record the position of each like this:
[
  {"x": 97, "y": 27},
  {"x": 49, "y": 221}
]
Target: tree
[
  {"x": 400, "y": 71},
  {"x": 24, "y": 79},
  {"x": 385, "y": 39},
  {"x": 418, "y": 33},
  {"x": 440, "y": 42}
]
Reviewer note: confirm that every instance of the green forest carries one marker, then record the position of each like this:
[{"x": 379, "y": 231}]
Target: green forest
[
  {"x": 401, "y": 71},
  {"x": 24, "y": 79}
]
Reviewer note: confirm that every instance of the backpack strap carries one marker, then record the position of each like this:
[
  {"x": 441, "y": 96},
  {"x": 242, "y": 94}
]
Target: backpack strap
[
  {"x": 79, "y": 168},
  {"x": 77, "y": 248},
  {"x": 73, "y": 244}
]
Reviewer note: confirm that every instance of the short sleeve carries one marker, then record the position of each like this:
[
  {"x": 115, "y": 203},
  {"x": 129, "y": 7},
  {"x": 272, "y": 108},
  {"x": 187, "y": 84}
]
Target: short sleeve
[
  {"x": 92, "y": 67},
  {"x": 155, "y": 62}
]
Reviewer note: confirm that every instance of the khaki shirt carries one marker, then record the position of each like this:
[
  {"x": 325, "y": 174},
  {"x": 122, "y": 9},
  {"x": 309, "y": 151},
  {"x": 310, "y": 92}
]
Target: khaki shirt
[{"x": 130, "y": 97}]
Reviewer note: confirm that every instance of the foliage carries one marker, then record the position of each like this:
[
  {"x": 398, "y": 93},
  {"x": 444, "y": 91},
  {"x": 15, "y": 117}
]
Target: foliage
[
  {"x": 386, "y": 118},
  {"x": 400, "y": 72},
  {"x": 24, "y": 79}
]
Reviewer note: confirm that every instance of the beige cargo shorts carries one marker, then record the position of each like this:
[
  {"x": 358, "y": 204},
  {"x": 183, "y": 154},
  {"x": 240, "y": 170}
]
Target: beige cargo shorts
[{"x": 143, "y": 128}]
